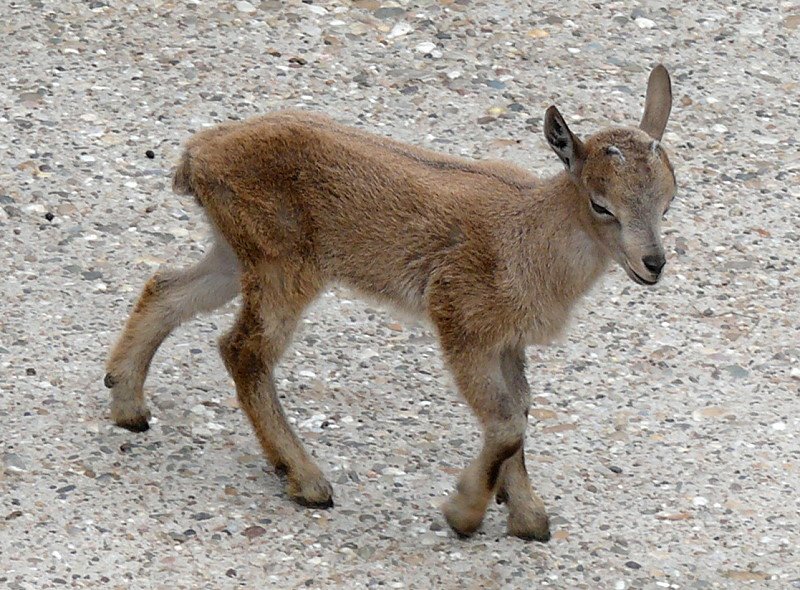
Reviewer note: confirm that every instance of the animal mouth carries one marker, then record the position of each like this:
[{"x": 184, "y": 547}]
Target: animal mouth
[{"x": 639, "y": 278}]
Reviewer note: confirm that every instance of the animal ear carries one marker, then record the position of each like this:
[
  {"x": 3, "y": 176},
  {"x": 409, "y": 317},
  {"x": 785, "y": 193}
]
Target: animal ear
[
  {"x": 563, "y": 142},
  {"x": 658, "y": 103}
]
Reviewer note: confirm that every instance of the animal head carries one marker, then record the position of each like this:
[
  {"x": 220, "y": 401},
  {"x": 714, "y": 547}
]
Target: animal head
[{"x": 625, "y": 180}]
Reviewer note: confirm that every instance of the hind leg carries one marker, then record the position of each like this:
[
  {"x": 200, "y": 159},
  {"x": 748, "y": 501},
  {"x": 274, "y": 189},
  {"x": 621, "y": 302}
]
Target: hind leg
[
  {"x": 168, "y": 299},
  {"x": 272, "y": 301}
]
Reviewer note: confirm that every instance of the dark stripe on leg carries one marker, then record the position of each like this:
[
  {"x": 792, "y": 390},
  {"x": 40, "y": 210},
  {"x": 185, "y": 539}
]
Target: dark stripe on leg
[{"x": 503, "y": 455}]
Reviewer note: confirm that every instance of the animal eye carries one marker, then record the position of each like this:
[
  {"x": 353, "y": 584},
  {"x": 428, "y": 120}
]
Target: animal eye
[{"x": 600, "y": 210}]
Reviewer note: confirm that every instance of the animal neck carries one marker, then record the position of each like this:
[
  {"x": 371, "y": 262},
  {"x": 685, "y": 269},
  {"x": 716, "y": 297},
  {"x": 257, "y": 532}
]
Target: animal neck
[{"x": 562, "y": 248}]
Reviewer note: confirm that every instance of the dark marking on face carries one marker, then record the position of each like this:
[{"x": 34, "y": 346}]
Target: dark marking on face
[
  {"x": 503, "y": 455},
  {"x": 109, "y": 380},
  {"x": 566, "y": 161}
]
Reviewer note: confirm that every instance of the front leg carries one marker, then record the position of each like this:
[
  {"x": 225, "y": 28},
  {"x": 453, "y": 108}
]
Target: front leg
[
  {"x": 527, "y": 517},
  {"x": 493, "y": 383}
]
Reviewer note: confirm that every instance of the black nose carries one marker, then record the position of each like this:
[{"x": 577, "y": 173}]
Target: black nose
[{"x": 654, "y": 263}]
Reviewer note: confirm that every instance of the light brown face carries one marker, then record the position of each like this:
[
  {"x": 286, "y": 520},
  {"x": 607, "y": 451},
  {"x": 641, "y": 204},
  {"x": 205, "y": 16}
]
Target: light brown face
[
  {"x": 629, "y": 184},
  {"x": 627, "y": 181}
]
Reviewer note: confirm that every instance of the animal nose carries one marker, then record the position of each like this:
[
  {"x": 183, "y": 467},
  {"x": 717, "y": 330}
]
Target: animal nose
[{"x": 654, "y": 263}]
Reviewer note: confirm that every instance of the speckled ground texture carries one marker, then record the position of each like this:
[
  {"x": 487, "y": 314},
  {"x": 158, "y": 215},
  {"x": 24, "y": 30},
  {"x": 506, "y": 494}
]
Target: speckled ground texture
[{"x": 664, "y": 430}]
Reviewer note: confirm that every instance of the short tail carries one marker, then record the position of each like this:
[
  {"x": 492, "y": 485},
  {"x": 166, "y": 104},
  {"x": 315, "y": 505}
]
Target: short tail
[{"x": 182, "y": 182}]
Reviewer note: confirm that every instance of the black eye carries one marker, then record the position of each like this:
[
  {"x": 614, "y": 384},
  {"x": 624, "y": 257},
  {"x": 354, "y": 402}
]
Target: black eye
[{"x": 600, "y": 210}]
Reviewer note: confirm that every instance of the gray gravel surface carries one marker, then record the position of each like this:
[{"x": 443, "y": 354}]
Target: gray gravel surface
[{"x": 664, "y": 429}]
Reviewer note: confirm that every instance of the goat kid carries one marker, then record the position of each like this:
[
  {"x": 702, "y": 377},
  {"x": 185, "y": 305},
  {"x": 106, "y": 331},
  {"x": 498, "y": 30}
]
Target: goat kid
[{"x": 493, "y": 257}]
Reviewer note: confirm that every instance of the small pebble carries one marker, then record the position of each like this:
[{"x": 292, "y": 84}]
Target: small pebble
[
  {"x": 633, "y": 565},
  {"x": 244, "y": 6},
  {"x": 399, "y": 30},
  {"x": 14, "y": 463},
  {"x": 253, "y": 532}
]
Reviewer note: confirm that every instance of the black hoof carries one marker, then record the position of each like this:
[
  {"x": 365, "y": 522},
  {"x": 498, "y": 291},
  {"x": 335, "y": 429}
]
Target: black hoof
[
  {"x": 324, "y": 505},
  {"x": 140, "y": 425},
  {"x": 109, "y": 380},
  {"x": 534, "y": 537}
]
